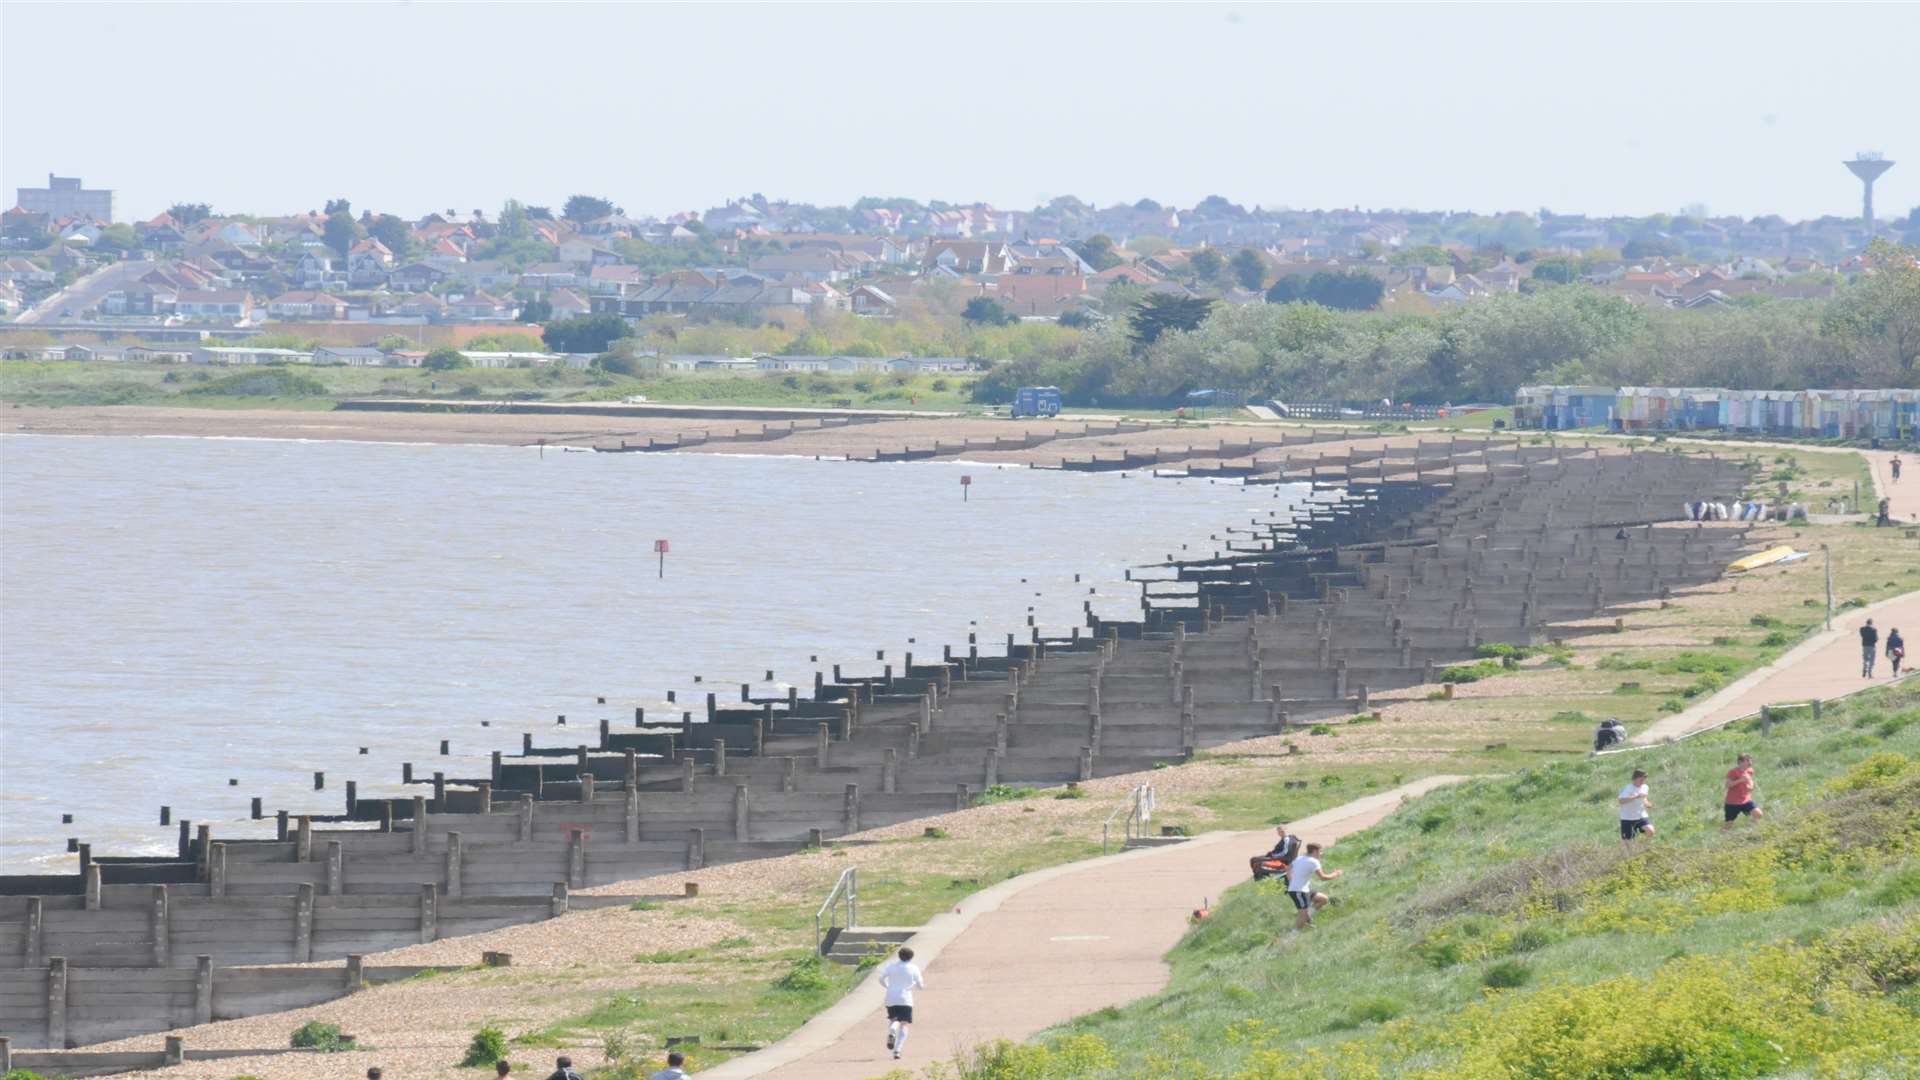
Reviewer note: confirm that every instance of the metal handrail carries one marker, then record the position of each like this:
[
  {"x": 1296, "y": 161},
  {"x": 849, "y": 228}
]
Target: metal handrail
[
  {"x": 822, "y": 919},
  {"x": 1138, "y": 807},
  {"x": 1764, "y": 712}
]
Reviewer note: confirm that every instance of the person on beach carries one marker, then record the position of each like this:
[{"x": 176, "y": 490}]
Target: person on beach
[
  {"x": 373, "y": 1073},
  {"x": 1896, "y": 650},
  {"x": 1869, "y": 645},
  {"x": 900, "y": 978},
  {"x": 1884, "y": 517},
  {"x": 1895, "y": 466},
  {"x": 563, "y": 1069},
  {"x": 1634, "y": 804},
  {"x": 502, "y": 1069},
  {"x": 1285, "y": 848},
  {"x": 1300, "y": 878},
  {"x": 1740, "y": 793},
  {"x": 673, "y": 1071}
]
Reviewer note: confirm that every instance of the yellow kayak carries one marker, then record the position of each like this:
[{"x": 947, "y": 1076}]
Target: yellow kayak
[{"x": 1762, "y": 558}]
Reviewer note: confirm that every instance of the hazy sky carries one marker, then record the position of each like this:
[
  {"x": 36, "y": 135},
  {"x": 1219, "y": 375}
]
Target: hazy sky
[{"x": 411, "y": 107}]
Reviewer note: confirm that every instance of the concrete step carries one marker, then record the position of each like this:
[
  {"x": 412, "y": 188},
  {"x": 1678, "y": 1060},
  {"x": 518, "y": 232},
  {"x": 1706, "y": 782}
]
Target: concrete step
[
  {"x": 852, "y": 946},
  {"x": 1154, "y": 841}
]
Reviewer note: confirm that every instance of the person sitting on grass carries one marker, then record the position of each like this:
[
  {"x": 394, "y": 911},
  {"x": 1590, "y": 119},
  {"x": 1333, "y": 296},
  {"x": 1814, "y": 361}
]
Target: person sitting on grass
[
  {"x": 1634, "y": 805},
  {"x": 1740, "y": 793},
  {"x": 563, "y": 1069},
  {"x": 1300, "y": 878}
]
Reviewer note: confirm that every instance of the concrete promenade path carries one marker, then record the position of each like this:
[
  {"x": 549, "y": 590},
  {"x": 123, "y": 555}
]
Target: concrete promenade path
[{"x": 1042, "y": 948}]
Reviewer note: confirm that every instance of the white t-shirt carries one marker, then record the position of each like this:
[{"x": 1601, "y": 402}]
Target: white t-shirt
[
  {"x": 1300, "y": 875},
  {"x": 1633, "y": 805},
  {"x": 901, "y": 979}
]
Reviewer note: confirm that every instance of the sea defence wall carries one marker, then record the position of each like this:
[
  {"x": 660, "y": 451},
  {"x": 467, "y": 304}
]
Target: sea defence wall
[{"x": 1399, "y": 566}]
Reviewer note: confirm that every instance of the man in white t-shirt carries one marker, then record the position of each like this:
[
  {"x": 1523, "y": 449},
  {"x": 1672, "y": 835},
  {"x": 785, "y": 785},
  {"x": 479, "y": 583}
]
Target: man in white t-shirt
[
  {"x": 1634, "y": 804},
  {"x": 1300, "y": 878},
  {"x": 901, "y": 978}
]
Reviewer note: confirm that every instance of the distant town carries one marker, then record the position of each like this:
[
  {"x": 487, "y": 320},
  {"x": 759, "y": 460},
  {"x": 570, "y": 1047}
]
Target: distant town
[{"x": 222, "y": 277}]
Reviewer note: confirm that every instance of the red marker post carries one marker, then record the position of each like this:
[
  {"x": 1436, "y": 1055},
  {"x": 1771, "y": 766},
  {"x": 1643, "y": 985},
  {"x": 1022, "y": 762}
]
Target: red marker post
[
  {"x": 966, "y": 484},
  {"x": 660, "y": 548}
]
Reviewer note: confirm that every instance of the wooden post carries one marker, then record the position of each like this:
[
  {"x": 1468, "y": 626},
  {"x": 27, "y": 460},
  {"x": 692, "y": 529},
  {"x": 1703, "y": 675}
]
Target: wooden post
[
  {"x": 92, "y": 887},
  {"x": 686, "y": 773},
  {"x": 557, "y": 906},
  {"x": 6, "y": 1055},
  {"x": 439, "y": 790},
  {"x": 36, "y": 943},
  {"x": 1816, "y": 709},
  {"x": 525, "y": 830},
  {"x": 631, "y": 811},
  {"x": 303, "y": 839},
  {"x": 741, "y": 823},
  {"x": 356, "y": 973},
  {"x": 1766, "y": 720},
  {"x": 890, "y": 770},
  {"x": 175, "y": 1051},
  {"x": 217, "y": 872},
  {"x": 1086, "y": 763},
  {"x": 419, "y": 824},
  {"x": 280, "y": 832},
  {"x": 429, "y": 912},
  {"x": 303, "y": 923},
  {"x": 203, "y": 989},
  {"x": 57, "y": 1002},
  {"x": 160, "y": 923},
  {"x": 587, "y": 782},
  {"x": 203, "y": 847},
  {"x": 962, "y": 796},
  {"x": 822, "y": 739},
  {"x": 788, "y": 774},
  {"x": 851, "y": 808},
  {"x": 577, "y": 859},
  {"x": 696, "y": 849},
  {"x": 336, "y": 868},
  {"x": 719, "y": 757},
  {"x": 991, "y": 774},
  {"x": 453, "y": 864}
]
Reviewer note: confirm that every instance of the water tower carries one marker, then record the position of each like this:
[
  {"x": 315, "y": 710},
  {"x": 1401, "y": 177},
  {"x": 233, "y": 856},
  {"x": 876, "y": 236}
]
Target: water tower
[{"x": 1867, "y": 165}]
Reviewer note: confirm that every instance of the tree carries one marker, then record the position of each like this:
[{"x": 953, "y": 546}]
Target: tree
[
  {"x": 396, "y": 234},
  {"x": 540, "y": 213},
  {"x": 585, "y": 333},
  {"x": 513, "y": 219},
  {"x": 1249, "y": 269},
  {"x": 1078, "y": 317},
  {"x": 444, "y": 358},
  {"x": 341, "y": 232},
  {"x": 1207, "y": 264},
  {"x": 1097, "y": 250},
  {"x": 186, "y": 213},
  {"x": 1148, "y": 206},
  {"x": 1347, "y": 290},
  {"x": 1557, "y": 269},
  {"x": 581, "y": 208},
  {"x": 1160, "y": 312},
  {"x": 1286, "y": 289},
  {"x": 1649, "y": 245},
  {"x": 395, "y": 342},
  {"x": 985, "y": 311},
  {"x": 337, "y": 206},
  {"x": 536, "y": 311},
  {"x": 1878, "y": 316}
]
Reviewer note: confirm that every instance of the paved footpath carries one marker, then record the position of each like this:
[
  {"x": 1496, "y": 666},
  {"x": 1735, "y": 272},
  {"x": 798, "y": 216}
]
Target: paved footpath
[{"x": 1042, "y": 948}]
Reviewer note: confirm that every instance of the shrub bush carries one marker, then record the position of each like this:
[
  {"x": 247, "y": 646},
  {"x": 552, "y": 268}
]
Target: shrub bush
[
  {"x": 1506, "y": 975},
  {"x": 804, "y": 977},
  {"x": 488, "y": 1045},
  {"x": 315, "y": 1035}
]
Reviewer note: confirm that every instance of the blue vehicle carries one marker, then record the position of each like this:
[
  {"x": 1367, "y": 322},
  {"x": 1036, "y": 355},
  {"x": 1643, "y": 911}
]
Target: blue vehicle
[{"x": 1036, "y": 401}]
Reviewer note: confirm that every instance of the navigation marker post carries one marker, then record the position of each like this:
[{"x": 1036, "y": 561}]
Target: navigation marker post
[
  {"x": 660, "y": 548},
  {"x": 966, "y": 485}
]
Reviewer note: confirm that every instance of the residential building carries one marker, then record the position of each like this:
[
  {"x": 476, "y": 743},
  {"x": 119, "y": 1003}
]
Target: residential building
[
  {"x": 214, "y": 305},
  {"x": 241, "y": 354},
  {"x": 305, "y": 304},
  {"x": 872, "y": 301},
  {"x": 66, "y": 197},
  {"x": 350, "y": 355},
  {"x": 967, "y": 257}
]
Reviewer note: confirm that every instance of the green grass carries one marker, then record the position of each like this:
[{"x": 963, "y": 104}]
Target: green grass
[{"x": 1500, "y": 907}]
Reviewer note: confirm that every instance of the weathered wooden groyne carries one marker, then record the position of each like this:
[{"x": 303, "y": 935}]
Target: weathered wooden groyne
[{"x": 1395, "y": 570}]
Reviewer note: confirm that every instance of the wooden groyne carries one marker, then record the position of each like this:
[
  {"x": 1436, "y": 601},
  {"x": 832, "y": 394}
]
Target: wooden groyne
[{"x": 1374, "y": 585}]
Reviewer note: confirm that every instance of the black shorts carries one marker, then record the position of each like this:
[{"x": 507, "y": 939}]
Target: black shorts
[
  {"x": 902, "y": 1013},
  {"x": 1631, "y": 829},
  {"x": 1734, "y": 810},
  {"x": 1301, "y": 900}
]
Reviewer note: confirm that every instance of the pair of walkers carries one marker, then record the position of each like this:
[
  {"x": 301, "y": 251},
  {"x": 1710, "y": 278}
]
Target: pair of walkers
[
  {"x": 1896, "y": 649},
  {"x": 1302, "y": 867},
  {"x": 1636, "y": 802}
]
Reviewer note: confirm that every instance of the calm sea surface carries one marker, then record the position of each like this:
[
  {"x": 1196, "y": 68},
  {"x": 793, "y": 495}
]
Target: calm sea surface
[{"x": 175, "y": 613}]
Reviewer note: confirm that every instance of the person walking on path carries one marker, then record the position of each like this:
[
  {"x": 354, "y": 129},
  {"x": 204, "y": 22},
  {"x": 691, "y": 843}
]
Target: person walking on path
[
  {"x": 1634, "y": 804},
  {"x": 1285, "y": 848},
  {"x": 901, "y": 978},
  {"x": 673, "y": 1071},
  {"x": 1300, "y": 878},
  {"x": 1740, "y": 793},
  {"x": 1896, "y": 650},
  {"x": 1894, "y": 465},
  {"x": 1869, "y": 648}
]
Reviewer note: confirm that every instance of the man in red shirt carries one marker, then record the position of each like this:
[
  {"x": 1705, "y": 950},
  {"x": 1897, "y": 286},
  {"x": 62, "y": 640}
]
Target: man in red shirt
[{"x": 1740, "y": 792}]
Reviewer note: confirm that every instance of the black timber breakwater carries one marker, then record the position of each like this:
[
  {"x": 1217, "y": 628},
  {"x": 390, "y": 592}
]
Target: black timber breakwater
[{"x": 1409, "y": 564}]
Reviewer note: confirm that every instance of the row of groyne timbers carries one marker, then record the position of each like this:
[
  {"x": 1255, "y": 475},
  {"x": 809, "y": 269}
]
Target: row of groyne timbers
[{"x": 1394, "y": 573}]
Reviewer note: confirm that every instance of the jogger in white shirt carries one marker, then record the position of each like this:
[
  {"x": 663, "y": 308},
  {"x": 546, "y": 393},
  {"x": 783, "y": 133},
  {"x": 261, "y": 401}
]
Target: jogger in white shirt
[
  {"x": 901, "y": 978},
  {"x": 1634, "y": 805}
]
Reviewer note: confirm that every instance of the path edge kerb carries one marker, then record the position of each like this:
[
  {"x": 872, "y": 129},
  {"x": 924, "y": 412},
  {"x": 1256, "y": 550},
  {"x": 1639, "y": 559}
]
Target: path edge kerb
[
  {"x": 837, "y": 1019},
  {"x": 1687, "y": 722}
]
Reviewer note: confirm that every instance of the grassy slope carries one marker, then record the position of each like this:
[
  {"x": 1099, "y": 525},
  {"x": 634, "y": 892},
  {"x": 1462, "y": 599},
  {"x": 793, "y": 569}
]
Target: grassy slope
[{"x": 1518, "y": 881}]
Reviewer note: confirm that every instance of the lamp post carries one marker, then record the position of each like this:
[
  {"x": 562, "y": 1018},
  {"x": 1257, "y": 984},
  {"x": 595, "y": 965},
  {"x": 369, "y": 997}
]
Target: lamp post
[{"x": 1827, "y": 553}]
